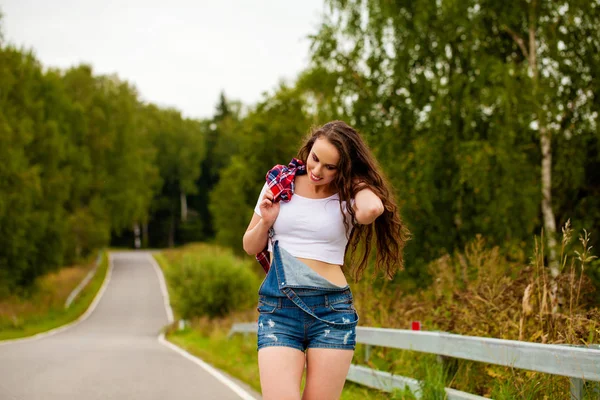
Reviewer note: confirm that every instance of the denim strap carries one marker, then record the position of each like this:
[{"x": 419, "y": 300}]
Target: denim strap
[
  {"x": 289, "y": 292},
  {"x": 297, "y": 300}
]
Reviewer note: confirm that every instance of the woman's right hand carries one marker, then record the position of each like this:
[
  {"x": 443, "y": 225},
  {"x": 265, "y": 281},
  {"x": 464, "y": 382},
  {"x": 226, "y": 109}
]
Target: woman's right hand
[{"x": 268, "y": 209}]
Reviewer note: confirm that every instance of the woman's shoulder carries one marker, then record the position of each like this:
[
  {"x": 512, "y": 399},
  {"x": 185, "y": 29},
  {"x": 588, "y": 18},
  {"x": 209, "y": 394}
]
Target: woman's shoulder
[{"x": 299, "y": 185}]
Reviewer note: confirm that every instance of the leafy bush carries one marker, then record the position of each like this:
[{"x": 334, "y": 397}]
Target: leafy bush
[{"x": 212, "y": 283}]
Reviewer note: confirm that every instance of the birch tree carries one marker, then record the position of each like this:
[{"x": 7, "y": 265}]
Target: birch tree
[{"x": 461, "y": 100}]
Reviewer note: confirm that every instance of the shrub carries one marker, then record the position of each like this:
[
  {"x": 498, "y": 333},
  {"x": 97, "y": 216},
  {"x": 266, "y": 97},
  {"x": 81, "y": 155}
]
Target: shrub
[{"x": 212, "y": 283}]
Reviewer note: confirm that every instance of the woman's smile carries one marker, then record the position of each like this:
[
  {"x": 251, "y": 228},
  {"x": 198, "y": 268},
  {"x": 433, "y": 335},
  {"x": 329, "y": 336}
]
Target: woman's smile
[
  {"x": 322, "y": 162},
  {"x": 314, "y": 178}
]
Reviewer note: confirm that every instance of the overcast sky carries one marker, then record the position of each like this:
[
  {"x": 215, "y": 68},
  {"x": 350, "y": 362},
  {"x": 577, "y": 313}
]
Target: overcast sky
[{"x": 178, "y": 53}]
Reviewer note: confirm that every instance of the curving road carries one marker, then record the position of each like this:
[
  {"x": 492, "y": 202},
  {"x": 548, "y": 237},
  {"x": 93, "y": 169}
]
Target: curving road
[{"x": 114, "y": 353}]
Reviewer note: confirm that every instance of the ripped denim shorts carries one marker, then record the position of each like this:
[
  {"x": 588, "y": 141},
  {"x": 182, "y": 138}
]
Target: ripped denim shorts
[{"x": 283, "y": 323}]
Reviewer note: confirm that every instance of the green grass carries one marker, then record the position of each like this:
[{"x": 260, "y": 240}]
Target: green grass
[
  {"x": 237, "y": 355},
  {"x": 46, "y": 310}
]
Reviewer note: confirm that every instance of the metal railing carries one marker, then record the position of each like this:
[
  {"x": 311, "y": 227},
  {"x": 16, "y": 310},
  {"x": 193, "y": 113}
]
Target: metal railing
[
  {"x": 85, "y": 280},
  {"x": 578, "y": 363}
]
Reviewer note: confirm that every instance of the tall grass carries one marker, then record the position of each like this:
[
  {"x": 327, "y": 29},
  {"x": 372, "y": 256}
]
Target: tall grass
[
  {"x": 433, "y": 384},
  {"x": 478, "y": 292}
]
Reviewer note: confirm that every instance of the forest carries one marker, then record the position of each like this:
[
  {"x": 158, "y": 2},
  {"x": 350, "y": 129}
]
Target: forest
[{"x": 482, "y": 114}]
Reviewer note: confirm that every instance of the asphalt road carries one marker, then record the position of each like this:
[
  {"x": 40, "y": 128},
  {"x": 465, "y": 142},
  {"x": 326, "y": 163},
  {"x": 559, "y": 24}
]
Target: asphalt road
[{"x": 115, "y": 353}]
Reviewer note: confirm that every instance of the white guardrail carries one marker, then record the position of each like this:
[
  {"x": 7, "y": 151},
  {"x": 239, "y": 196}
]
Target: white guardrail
[
  {"x": 578, "y": 363},
  {"x": 85, "y": 281}
]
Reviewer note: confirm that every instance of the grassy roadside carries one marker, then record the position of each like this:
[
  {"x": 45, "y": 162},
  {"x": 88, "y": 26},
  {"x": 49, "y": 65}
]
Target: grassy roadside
[
  {"x": 44, "y": 310},
  {"x": 237, "y": 355},
  {"x": 477, "y": 292}
]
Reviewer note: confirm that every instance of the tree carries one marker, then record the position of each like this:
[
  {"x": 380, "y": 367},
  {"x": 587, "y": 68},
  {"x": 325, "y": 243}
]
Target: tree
[
  {"x": 181, "y": 143},
  {"x": 453, "y": 107},
  {"x": 34, "y": 177},
  {"x": 114, "y": 171},
  {"x": 222, "y": 140},
  {"x": 557, "y": 42},
  {"x": 270, "y": 134}
]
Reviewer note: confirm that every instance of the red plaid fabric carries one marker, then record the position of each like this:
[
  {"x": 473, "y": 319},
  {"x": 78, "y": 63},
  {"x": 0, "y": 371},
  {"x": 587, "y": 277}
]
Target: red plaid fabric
[{"x": 280, "y": 179}]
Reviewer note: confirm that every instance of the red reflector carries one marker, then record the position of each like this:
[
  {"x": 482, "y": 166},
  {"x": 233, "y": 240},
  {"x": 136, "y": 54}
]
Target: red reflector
[{"x": 416, "y": 325}]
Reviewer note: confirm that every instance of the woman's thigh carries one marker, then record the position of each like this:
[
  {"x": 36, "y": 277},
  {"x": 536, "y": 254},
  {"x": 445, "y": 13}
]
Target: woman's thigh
[
  {"x": 326, "y": 371},
  {"x": 281, "y": 371}
]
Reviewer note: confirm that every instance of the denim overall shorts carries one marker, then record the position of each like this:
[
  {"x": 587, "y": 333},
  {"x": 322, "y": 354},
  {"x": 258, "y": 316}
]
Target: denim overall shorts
[{"x": 301, "y": 309}]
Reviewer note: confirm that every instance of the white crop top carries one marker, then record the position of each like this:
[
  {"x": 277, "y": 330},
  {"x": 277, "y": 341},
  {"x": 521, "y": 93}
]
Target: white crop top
[{"x": 311, "y": 228}]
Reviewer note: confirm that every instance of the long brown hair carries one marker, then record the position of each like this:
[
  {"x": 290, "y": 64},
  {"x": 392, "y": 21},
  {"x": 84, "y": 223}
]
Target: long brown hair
[{"x": 357, "y": 163}]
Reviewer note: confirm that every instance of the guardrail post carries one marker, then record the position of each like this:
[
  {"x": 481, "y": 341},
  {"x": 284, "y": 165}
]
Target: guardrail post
[
  {"x": 441, "y": 360},
  {"x": 181, "y": 325},
  {"x": 367, "y": 352},
  {"x": 576, "y": 388}
]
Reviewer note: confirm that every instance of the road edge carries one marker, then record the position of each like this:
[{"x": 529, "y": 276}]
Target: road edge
[
  {"x": 83, "y": 317},
  {"x": 196, "y": 360}
]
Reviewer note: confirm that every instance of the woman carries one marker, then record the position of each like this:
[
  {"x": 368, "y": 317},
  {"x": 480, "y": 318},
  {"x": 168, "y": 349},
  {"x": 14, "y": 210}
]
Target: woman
[{"x": 334, "y": 197}]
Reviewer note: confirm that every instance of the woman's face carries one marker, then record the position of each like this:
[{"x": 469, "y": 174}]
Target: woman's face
[{"x": 322, "y": 163}]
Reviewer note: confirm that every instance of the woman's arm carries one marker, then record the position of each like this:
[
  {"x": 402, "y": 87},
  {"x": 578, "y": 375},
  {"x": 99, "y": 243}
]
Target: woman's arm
[
  {"x": 257, "y": 233},
  {"x": 367, "y": 205},
  {"x": 256, "y": 236}
]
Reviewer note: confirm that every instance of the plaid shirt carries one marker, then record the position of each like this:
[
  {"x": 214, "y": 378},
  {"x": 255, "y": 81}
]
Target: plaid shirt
[{"x": 280, "y": 179}]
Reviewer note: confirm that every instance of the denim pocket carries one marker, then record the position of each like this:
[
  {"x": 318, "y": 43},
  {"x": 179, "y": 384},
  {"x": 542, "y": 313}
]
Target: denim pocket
[
  {"x": 343, "y": 307},
  {"x": 266, "y": 307}
]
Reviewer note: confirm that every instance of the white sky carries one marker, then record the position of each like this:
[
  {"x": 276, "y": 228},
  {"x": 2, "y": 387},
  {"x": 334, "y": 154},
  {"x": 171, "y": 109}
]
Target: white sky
[{"x": 178, "y": 53}]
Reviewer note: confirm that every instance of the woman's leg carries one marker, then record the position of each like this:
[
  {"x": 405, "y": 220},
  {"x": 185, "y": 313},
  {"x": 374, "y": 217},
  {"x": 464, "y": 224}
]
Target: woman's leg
[
  {"x": 281, "y": 371},
  {"x": 326, "y": 371}
]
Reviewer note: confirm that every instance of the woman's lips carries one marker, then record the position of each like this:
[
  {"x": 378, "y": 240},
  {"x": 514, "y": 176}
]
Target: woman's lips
[{"x": 314, "y": 178}]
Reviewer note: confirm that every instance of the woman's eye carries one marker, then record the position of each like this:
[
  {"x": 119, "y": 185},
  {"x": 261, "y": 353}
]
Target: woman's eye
[
  {"x": 329, "y": 167},
  {"x": 315, "y": 158}
]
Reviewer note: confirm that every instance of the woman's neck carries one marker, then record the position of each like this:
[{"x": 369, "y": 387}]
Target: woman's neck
[{"x": 315, "y": 191}]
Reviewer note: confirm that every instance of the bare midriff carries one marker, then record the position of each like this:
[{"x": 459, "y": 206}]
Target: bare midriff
[{"x": 332, "y": 272}]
